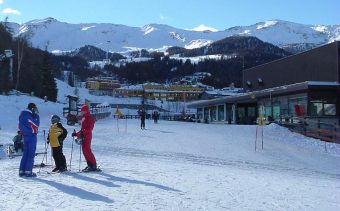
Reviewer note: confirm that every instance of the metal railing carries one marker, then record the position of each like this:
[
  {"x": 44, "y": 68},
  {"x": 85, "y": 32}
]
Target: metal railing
[{"x": 313, "y": 128}]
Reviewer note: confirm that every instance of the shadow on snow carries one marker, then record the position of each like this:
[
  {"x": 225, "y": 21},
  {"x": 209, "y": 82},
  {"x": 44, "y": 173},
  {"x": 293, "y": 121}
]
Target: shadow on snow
[
  {"x": 75, "y": 191},
  {"x": 162, "y": 131},
  {"x": 90, "y": 179},
  {"x": 120, "y": 179}
]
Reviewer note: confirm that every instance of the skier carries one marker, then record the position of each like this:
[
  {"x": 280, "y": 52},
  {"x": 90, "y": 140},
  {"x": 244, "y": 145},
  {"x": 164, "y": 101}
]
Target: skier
[
  {"x": 18, "y": 142},
  {"x": 85, "y": 134},
  {"x": 56, "y": 137},
  {"x": 142, "y": 119},
  {"x": 29, "y": 121},
  {"x": 155, "y": 117}
]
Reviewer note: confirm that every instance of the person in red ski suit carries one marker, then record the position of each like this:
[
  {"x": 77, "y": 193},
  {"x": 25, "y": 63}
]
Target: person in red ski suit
[{"x": 87, "y": 125}]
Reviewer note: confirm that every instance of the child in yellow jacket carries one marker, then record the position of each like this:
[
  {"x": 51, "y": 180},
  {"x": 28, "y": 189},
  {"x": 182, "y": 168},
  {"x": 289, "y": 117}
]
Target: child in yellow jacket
[{"x": 56, "y": 137}]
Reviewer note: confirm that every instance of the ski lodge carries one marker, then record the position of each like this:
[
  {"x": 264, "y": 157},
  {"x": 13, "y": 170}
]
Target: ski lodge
[{"x": 304, "y": 85}]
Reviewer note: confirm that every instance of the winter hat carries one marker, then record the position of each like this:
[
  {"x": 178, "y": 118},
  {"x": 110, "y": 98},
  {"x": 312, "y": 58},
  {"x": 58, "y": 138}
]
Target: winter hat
[
  {"x": 85, "y": 108},
  {"x": 55, "y": 119},
  {"x": 32, "y": 107}
]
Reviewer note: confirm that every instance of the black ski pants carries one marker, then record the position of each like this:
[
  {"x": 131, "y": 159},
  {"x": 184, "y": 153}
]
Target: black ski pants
[
  {"x": 59, "y": 158},
  {"x": 142, "y": 123}
]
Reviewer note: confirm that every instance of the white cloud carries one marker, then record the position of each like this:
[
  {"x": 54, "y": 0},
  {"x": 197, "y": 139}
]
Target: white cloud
[
  {"x": 1, "y": 1},
  {"x": 10, "y": 11},
  {"x": 204, "y": 28}
]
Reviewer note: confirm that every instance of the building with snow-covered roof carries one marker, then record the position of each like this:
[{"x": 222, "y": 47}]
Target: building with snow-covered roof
[
  {"x": 306, "y": 85},
  {"x": 155, "y": 91},
  {"x": 129, "y": 91},
  {"x": 102, "y": 85}
]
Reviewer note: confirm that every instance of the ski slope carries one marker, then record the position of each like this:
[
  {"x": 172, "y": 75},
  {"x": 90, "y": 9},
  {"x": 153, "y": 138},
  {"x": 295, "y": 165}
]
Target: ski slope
[{"x": 174, "y": 166}]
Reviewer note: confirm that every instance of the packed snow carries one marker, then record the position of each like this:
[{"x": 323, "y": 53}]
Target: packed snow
[{"x": 173, "y": 166}]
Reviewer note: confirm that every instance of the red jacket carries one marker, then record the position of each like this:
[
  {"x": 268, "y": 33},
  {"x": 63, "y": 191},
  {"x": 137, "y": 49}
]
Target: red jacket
[{"x": 87, "y": 125}]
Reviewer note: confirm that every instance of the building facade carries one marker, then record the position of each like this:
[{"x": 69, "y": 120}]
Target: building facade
[
  {"x": 154, "y": 91},
  {"x": 305, "y": 85},
  {"x": 102, "y": 85}
]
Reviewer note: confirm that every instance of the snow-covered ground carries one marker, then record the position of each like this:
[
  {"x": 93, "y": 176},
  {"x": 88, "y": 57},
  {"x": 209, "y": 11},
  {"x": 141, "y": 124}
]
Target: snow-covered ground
[{"x": 174, "y": 166}]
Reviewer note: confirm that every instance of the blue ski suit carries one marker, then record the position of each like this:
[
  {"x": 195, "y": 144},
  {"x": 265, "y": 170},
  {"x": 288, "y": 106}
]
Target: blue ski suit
[{"x": 28, "y": 125}]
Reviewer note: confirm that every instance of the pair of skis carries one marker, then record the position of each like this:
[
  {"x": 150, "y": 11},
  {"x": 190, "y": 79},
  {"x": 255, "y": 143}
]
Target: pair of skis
[{"x": 72, "y": 172}]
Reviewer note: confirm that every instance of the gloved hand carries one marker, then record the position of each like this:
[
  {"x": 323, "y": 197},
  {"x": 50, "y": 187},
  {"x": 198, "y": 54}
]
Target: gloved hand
[
  {"x": 48, "y": 140},
  {"x": 79, "y": 141},
  {"x": 74, "y": 134}
]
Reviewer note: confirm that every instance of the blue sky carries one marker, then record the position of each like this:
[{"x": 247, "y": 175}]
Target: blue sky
[{"x": 186, "y": 14}]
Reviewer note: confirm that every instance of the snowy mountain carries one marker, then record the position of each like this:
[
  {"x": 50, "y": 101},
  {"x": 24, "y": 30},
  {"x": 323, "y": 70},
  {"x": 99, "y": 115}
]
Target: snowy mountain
[
  {"x": 59, "y": 36},
  {"x": 233, "y": 46}
]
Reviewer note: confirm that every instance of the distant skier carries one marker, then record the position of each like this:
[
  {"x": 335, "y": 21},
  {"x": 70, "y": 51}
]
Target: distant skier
[
  {"x": 56, "y": 137},
  {"x": 155, "y": 117},
  {"x": 142, "y": 119},
  {"x": 18, "y": 142},
  {"x": 29, "y": 121},
  {"x": 85, "y": 134}
]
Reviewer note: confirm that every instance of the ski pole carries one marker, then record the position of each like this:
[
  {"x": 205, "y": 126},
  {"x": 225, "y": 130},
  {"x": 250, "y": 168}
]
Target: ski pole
[
  {"x": 256, "y": 137},
  {"x": 262, "y": 137},
  {"x": 51, "y": 156},
  {"x": 125, "y": 124},
  {"x": 118, "y": 123},
  {"x": 79, "y": 156},
  {"x": 72, "y": 151},
  {"x": 45, "y": 146},
  {"x": 42, "y": 162}
]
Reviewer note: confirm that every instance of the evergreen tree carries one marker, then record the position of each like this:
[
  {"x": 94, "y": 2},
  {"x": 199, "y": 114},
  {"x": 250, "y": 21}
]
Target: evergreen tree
[
  {"x": 5, "y": 37},
  {"x": 5, "y": 85},
  {"x": 5, "y": 43},
  {"x": 49, "y": 86}
]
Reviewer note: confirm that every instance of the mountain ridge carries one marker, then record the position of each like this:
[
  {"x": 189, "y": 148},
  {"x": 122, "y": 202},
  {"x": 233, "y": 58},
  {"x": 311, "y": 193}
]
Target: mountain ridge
[{"x": 60, "y": 36}]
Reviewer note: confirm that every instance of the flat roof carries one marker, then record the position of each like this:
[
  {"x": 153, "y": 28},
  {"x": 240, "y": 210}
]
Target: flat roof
[{"x": 252, "y": 97}]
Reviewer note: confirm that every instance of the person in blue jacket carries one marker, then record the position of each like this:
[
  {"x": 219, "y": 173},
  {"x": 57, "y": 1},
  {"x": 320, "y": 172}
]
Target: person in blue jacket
[{"x": 29, "y": 121}]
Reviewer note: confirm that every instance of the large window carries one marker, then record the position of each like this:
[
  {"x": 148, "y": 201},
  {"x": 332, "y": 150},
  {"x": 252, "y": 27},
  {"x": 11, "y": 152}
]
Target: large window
[
  {"x": 220, "y": 112},
  {"x": 199, "y": 113},
  {"x": 329, "y": 109},
  {"x": 297, "y": 100},
  {"x": 316, "y": 108},
  {"x": 213, "y": 113},
  {"x": 241, "y": 112},
  {"x": 206, "y": 114},
  {"x": 252, "y": 111},
  {"x": 268, "y": 110},
  {"x": 276, "y": 111},
  {"x": 322, "y": 108},
  {"x": 323, "y": 103},
  {"x": 282, "y": 106}
]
